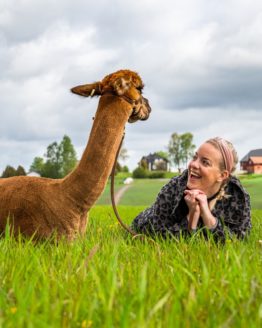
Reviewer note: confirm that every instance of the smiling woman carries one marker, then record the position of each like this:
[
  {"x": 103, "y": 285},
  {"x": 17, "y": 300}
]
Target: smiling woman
[{"x": 206, "y": 196}]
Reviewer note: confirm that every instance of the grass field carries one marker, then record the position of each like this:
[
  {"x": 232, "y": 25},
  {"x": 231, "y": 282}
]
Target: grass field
[
  {"x": 107, "y": 279},
  {"x": 254, "y": 187},
  {"x": 144, "y": 191}
]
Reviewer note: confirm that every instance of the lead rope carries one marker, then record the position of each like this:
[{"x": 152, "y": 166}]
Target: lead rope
[{"x": 127, "y": 228}]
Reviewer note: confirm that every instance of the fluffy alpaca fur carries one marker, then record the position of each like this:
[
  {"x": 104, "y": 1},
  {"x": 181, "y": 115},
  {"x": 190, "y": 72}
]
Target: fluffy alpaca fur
[{"x": 40, "y": 207}]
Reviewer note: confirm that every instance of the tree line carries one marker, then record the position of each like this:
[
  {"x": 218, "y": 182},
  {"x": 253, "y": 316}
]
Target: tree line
[
  {"x": 179, "y": 150},
  {"x": 10, "y": 171},
  {"x": 60, "y": 158}
]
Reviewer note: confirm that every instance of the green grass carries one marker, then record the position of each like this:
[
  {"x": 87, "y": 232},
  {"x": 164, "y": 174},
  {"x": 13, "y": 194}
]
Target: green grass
[
  {"x": 105, "y": 198},
  {"x": 109, "y": 280},
  {"x": 144, "y": 191},
  {"x": 254, "y": 187}
]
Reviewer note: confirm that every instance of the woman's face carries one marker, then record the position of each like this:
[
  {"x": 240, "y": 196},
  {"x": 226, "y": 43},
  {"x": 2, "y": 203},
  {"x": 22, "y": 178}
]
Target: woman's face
[{"x": 204, "y": 170}]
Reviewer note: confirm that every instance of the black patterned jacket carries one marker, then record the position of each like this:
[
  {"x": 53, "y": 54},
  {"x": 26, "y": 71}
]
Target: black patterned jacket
[{"x": 168, "y": 215}]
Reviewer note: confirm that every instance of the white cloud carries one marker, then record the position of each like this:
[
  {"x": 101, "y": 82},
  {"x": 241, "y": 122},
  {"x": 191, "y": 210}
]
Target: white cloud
[
  {"x": 200, "y": 60},
  {"x": 240, "y": 127}
]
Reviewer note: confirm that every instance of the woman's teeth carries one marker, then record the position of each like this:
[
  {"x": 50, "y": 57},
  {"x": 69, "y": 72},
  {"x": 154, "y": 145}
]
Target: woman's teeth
[{"x": 195, "y": 175}]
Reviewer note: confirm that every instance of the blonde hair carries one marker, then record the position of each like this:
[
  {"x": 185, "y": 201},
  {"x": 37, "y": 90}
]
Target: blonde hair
[{"x": 220, "y": 144}]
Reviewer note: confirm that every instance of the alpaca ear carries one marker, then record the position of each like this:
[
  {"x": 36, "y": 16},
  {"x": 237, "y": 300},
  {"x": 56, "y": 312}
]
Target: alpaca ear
[
  {"x": 121, "y": 85},
  {"x": 88, "y": 90}
]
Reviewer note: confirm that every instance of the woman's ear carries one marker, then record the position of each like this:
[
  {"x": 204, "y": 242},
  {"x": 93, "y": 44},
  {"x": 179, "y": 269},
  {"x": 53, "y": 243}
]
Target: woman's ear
[
  {"x": 223, "y": 176},
  {"x": 121, "y": 85}
]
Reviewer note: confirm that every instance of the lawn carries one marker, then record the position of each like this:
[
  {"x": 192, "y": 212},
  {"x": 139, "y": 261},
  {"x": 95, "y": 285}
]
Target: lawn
[
  {"x": 108, "y": 279},
  {"x": 140, "y": 192},
  {"x": 254, "y": 187},
  {"x": 144, "y": 191}
]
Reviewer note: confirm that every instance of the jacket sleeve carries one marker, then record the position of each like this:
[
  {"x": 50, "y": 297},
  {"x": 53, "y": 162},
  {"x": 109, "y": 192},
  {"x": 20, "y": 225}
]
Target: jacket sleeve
[
  {"x": 157, "y": 219},
  {"x": 236, "y": 218}
]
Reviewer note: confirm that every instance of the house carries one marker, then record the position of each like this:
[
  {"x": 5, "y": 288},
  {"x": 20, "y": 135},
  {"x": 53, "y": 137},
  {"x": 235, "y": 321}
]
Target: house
[
  {"x": 252, "y": 162},
  {"x": 33, "y": 174},
  {"x": 155, "y": 162}
]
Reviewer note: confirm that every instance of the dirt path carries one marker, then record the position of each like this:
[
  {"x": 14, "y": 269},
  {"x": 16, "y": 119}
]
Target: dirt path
[{"x": 120, "y": 193}]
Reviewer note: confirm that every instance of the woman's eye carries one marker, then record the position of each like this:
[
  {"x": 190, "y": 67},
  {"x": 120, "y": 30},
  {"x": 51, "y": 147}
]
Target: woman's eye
[{"x": 205, "y": 162}]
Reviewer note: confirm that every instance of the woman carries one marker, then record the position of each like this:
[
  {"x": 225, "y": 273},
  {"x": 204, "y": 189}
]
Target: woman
[{"x": 205, "y": 196}]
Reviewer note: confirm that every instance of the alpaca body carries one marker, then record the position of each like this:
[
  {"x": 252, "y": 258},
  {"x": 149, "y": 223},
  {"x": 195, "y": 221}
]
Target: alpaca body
[
  {"x": 44, "y": 206},
  {"x": 41, "y": 207},
  {"x": 29, "y": 210}
]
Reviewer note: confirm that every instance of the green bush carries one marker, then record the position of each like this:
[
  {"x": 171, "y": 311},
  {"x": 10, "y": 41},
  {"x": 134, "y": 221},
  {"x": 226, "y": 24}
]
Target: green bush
[
  {"x": 170, "y": 175},
  {"x": 140, "y": 173},
  {"x": 156, "y": 174},
  {"x": 125, "y": 169},
  {"x": 123, "y": 175},
  {"x": 161, "y": 175}
]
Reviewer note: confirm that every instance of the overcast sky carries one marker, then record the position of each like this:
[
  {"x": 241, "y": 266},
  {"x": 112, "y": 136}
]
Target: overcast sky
[{"x": 201, "y": 62}]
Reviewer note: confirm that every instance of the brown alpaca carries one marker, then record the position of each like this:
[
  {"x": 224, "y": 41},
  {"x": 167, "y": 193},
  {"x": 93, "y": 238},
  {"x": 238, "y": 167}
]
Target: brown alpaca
[{"x": 40, "y": 207}]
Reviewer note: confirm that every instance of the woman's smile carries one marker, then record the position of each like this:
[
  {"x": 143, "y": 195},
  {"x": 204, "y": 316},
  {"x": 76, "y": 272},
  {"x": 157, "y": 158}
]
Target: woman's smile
[{"x": 194, "y": 176}]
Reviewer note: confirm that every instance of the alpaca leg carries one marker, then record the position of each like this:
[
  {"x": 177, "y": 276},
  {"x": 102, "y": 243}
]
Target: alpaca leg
[{"x": 83, "y": 223}]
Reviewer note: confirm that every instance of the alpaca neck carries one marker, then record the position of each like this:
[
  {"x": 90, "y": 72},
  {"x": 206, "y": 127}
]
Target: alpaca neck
[{"x": 86, "y": 183}]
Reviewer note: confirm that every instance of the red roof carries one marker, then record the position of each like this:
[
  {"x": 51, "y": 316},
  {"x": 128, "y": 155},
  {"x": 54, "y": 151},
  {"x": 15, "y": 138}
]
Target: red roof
[{"x": 256, "y": 160}]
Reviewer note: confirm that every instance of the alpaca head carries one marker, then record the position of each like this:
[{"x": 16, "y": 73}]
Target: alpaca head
[{"x": 125, "y": 84}]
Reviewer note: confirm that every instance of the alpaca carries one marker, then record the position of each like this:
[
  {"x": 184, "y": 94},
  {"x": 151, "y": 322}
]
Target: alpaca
[{"x": 41, "y": 207}]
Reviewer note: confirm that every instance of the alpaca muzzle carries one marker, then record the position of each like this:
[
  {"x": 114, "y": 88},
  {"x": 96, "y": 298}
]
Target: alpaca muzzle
[
  {"x": 141, "y": 110},
  {"x": 148, "y": 107}
]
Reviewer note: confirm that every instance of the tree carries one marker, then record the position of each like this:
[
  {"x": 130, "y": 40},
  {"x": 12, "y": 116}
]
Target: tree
[
  {"x": 143, "y": 164},
  {"x": 68, "y": 156},
  {"x": 8, "y": 172},
  {"x": 180, "y": 148},
  {"x": 20, "y": 171},
  {"x": 174, "y": 149},
  {"x": 52, "y": 167},
  {"x": 118, "y": 167},
  {"x": 125, "y": 169},
  {"x": 162, "y": 154},
  {"x": 60, "y": 159},
  {"x": 187, "y": 146},
  {"x": 123, "y": 155},
  {"x": 37, "y": 165}
]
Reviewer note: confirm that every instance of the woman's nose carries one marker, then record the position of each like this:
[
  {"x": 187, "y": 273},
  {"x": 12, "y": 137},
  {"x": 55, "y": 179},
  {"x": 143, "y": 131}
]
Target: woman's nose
[{"x": 194, "y": 164}]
